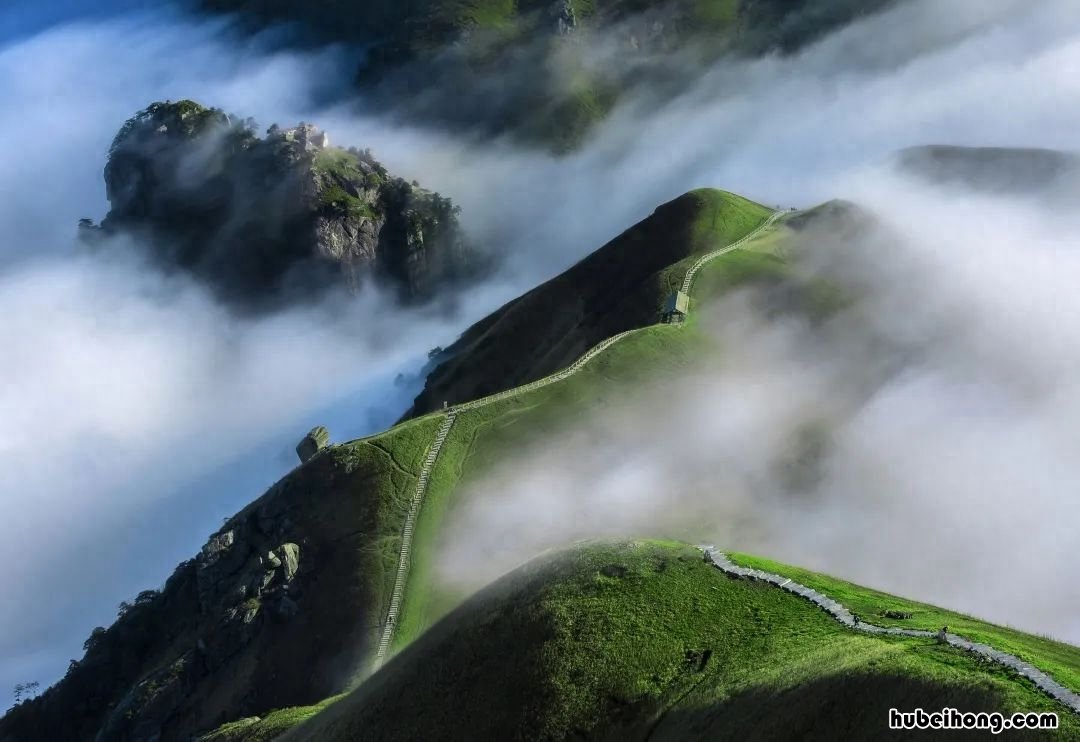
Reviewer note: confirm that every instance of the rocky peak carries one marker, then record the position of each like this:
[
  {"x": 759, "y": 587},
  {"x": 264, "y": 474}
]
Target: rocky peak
[
  {"x": 312, "y": 443},
  {"x": 308, "y": 137},
  {"x": 284, "y": 216}
]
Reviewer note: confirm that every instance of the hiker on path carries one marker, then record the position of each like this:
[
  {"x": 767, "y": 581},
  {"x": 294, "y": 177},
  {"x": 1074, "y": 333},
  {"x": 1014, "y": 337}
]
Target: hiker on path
[{"x": 941, "y": 635}]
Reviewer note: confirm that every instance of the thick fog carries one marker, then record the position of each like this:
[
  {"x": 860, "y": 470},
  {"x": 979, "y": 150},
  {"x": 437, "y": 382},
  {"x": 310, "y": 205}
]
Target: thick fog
[{"x": 137, "y": 412}]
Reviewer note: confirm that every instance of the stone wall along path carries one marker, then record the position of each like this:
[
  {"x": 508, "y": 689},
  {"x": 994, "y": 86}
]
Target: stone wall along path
[{"x": 1042, "y": 681}]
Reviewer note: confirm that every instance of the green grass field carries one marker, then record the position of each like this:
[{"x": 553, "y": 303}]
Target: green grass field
[
  {"x": 269, "y": 727},
  {"x": 644, "y": 639},
  {"x": 1061, "y": 660}
]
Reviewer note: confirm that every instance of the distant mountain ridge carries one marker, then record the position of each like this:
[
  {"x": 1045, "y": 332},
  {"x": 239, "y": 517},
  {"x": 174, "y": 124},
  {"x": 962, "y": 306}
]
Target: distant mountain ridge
[
  {"x": 542, "y": 71},
  {"x": 996, "y": 169}
]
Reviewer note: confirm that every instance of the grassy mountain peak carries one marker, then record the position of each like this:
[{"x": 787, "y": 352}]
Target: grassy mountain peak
[{"x": 619, "y": 287}]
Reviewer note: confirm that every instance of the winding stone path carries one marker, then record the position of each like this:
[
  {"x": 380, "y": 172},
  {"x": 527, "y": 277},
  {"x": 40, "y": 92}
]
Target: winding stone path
[
  {"x": 700, "y": 263},
  {"x": 1042, "y": 681},
  {"x": 405, "y": 555}
]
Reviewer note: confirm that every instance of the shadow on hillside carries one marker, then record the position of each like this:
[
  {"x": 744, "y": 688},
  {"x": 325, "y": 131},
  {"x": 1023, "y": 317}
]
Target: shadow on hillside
[{"x": 850, "y": 707}]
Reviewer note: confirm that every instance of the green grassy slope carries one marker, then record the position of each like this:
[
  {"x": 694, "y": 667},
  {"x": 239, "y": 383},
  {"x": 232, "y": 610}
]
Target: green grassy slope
[
  {"x": 267, "y": 728},
  {"x": 619, "y": 287},
  {"x": 645, "y": 640},
  {"x": 1060, "y": 660},
  {"x": 482, "y": 438},
  {"x": 604, "y": 660},
  {"x": 345, "y": 508}
]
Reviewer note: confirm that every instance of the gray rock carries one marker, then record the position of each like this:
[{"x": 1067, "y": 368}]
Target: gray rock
[
  {"x": 216, "y": 546},
  {"x": 289, "y": 554},
  {"x": 316, "y": 440},
  {"x": 279, "y": 219},
  {"x": 565, "y": 18}
]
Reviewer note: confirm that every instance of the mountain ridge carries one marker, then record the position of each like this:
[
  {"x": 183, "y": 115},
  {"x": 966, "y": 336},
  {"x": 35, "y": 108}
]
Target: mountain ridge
[
  {"x": 308, "y": 566},
  {"x": 544, "y": 72},
  {"x": 549, "y": 326}
]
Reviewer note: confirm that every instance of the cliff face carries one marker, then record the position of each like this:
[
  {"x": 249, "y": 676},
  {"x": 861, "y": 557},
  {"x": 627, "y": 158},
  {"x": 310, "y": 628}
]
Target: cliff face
[
  {"x": 262, "y": 219},
  {"x": 280, "y": 607}
]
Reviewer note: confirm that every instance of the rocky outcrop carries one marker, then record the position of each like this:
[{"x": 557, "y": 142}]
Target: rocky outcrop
[
  {"x": 275, "y": 218},
  {"x": 312, "y": 443},
  {"x": 242, "y": 584},
  {"x": 292, "y": 581}
]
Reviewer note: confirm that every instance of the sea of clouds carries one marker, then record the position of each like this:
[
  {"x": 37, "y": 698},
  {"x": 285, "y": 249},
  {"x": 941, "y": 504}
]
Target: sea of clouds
[{"x": 138, "y": 412}]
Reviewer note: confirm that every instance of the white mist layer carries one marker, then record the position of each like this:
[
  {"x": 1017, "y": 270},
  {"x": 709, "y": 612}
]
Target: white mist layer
[{"x": 123, "y": 389}]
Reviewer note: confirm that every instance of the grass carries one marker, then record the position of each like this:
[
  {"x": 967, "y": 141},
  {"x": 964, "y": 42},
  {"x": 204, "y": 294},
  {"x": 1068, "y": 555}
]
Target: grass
[
  {"x": 402, "y": 449},
  {"x": 719, "y": 221},
  {"x": 339, "y": 167},
  {"x": 338, "y": 162},
  {"x": 364, "y": 486},
  {"x": 491, "y": 13},
  {"x": 643, "y": 639},
  {"x": 273, "y": 725},
  {"x": 1060, "y": 660},
  {"x": 619, "y": 287},
  {"x": 484, "y": 437},
  {"x": 715, "y": 14}
]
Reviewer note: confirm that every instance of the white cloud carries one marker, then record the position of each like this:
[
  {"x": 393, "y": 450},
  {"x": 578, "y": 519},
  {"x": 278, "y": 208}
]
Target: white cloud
[{"x": 127, "y": 388}]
